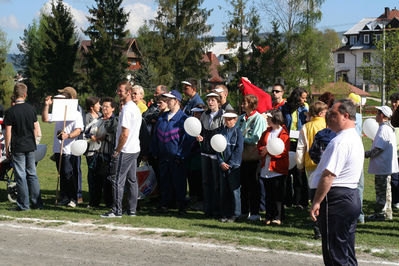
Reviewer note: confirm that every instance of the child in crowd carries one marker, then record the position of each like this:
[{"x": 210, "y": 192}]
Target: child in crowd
[
  {"x": 383, "y": 161},
  {"x": 229, "y": 163},
  {"x": 274, "y": 167}
]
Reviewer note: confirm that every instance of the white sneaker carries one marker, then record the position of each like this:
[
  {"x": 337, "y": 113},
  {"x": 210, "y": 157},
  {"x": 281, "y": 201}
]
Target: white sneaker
[
  {"x": 110, "y": 215},
  {"x": 71, "y": 204},
  {"x": 396, "y": 206},
  {"x": 254, "y": 218}
]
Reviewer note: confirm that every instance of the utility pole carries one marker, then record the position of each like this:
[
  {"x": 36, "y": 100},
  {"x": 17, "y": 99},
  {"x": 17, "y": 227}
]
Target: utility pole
[{"x": 383, "y": 67}]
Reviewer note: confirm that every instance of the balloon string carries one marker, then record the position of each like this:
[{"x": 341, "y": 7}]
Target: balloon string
[{"x": 222, "y": 156}]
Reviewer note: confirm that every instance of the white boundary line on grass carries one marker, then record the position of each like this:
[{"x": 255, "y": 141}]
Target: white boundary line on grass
[{"x": 159, "y": 241}]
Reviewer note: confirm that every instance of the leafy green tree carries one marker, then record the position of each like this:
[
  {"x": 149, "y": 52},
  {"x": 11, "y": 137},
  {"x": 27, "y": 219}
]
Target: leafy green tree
[
  {"x": 105, "y": 61},
  {"x": 181, "y": 25},
  {"x": 383, "y": 62},
  {"x": 4, "y": 47},
  {"x": 59, "y": 46}
]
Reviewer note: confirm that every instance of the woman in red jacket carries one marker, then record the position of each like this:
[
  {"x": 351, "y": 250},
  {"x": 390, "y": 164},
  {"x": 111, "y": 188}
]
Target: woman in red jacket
[{"x": 274, "y": 167}]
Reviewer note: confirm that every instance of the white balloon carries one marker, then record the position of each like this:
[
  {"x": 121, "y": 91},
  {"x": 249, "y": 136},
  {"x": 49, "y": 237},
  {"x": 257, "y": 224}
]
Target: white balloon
[
  {"x": 40, "y": 151},
  {"x": 79, "y": 147},
  {"x": 218, "y": 143},
  {"x": 192, "y": 126},
  {"x": 292, "y": 160},
  {"x": 275, "y": 146},
  {"x": 370, "y": 128}
]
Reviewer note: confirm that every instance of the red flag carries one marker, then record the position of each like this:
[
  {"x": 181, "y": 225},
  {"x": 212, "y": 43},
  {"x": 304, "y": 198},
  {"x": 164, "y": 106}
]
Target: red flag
[{"x": 264, "y": 99}]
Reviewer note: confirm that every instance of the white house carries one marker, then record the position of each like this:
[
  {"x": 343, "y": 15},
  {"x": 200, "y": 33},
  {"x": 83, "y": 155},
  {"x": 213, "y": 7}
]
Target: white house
[{"x": 358, "y": 45}]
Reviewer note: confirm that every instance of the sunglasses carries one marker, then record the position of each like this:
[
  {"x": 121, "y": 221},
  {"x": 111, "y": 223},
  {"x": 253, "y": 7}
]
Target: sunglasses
[{"x": 276, "y": 91}]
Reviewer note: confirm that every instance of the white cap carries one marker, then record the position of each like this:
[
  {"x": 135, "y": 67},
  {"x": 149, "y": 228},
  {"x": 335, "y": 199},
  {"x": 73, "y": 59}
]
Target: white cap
[
  {"x": 229, "y": 115},
  {"x": 219, "y": 90},
  {"x": 186, "y": 83},
  {"x": 269, "y": 115},
  {"x": 59, "y": 96},
  {"x": 385, "y": 110},
  {"x": 197, "y": 109},
  {"x": 212, "y": 94}
]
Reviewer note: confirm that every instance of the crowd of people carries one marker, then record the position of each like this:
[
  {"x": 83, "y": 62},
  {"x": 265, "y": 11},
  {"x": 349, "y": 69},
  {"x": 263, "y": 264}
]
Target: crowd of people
[{"x": 237, "y": 183}]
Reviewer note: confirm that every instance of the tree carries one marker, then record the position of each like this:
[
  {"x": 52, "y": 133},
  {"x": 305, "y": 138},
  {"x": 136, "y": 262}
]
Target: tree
[
  {"x": 31, "y": 60},
  {"x": 383, "y": 62},
  {"x": 105, "y": 62},
  {"x": 273, "y": 52},
  {"x": 59, "y": 46},
  {"x": 4, "y": 47},
  {"x": 181, "y": 25}
]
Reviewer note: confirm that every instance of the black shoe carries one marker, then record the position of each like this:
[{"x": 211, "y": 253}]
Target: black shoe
[
  {"x": 182, "y": 212},
  {"x": 17, "y": 209},
  {"x": 162, "y": 209}
]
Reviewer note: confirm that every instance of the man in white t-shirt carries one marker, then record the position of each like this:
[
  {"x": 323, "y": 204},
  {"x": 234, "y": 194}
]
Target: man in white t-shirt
[
  {"x": 383, "y": 162},
  {"x": 124, "y": 160},
  {"x": 336, "y": 203}
]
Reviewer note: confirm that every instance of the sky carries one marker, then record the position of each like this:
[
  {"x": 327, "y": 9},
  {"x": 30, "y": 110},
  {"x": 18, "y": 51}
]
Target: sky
[{"x": 340, "y": 15}]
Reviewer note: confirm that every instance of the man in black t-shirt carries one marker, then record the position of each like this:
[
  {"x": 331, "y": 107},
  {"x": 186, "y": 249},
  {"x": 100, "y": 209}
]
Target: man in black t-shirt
[{"x": 20, "y": 138}]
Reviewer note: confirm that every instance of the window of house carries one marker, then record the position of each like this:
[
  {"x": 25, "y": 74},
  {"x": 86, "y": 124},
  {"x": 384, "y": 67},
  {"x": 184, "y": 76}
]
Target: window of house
[
  {"x": 341, "y": 58},
  {"x": 377, "y": 37},
  {"x": 366, "y": 57},
  {"x": 366, "y": 38},
  {"x": 353, "y": 40},
  {"x": 366, "y": 74}
]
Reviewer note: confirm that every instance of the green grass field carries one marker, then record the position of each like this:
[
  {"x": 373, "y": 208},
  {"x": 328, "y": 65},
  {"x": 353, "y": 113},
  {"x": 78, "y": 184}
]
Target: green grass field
[{"x": 376, "y": 238}]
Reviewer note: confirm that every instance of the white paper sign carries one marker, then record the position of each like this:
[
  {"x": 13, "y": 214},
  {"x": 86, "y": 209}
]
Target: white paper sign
[
  {"x": 59, "y": 109},
  {"x": 294, "y": 134}
]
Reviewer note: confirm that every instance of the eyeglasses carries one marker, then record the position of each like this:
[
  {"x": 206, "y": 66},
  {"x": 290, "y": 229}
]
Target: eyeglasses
[{"x": 276, "y": 91}]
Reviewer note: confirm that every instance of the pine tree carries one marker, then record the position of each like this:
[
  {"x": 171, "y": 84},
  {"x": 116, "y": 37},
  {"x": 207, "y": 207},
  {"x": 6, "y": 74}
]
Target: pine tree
[
  {"x": 236, "y": 31},
  {"x": 106, "y": 63},
  {"x": 59, "y": 48},
  {"x": 4, "y": 46},
  {"x": 30, "y": 62},
  {"x": 182, "y": 27}
]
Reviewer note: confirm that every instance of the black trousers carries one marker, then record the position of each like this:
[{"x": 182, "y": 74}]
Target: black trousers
[
  {"x": 338, "y": 217},
  {"x": 274, "y": 188},
  {"x": 250, "y": 188}
]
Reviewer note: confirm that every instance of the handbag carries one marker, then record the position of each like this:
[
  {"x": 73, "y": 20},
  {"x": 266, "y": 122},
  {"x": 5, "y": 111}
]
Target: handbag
[{"x": 250, "y": 152}]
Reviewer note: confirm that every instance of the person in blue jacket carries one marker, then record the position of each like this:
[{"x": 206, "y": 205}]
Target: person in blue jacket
[
  {"x": 171, "y": 145},
  {"x": 229, "y": 162},
  {"x": 194, "y": 99}
]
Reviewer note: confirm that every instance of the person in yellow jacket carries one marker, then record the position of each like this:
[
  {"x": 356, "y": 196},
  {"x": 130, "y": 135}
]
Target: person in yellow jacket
[{"x": 317, "y": 112}]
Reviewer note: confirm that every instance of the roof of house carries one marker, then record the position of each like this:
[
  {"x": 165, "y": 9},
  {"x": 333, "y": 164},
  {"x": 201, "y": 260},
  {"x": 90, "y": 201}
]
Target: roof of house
[
  {"x": 340, "y": 88},
  {"x": 211, "y": 58},
  {"x": 359, "y": 26},
  {"x": 219, "y": 48},
  {"x": 130, "y": 42},
  {"x": 394, "y": 13}
]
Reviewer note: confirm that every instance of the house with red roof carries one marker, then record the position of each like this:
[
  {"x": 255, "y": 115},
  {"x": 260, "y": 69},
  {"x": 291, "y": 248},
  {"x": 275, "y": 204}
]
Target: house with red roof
[{"x": 359, "y": 43}]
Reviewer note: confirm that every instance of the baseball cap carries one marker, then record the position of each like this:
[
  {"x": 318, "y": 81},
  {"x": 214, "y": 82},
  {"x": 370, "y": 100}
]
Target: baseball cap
[
  {"x": 219, "y": 90},
  {"x": 197, "y": 109},
  {"x": 186, "y": 83},
  {"x": 69, "y": 90},
  {"x": 229, "y": 114},
  {"x": 385, "y": 110},
  {"x": 212, "y": 94},
  {"x": 174, "y": 94}
]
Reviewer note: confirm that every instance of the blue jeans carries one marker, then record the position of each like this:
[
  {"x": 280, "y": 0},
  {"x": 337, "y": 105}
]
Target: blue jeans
[
  {"x": 230, "y": 196},
  {"x": 26, "y": 179}
]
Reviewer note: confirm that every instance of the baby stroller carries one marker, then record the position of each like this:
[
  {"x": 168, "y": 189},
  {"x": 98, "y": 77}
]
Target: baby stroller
[{"x": 7, "y": 171}]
